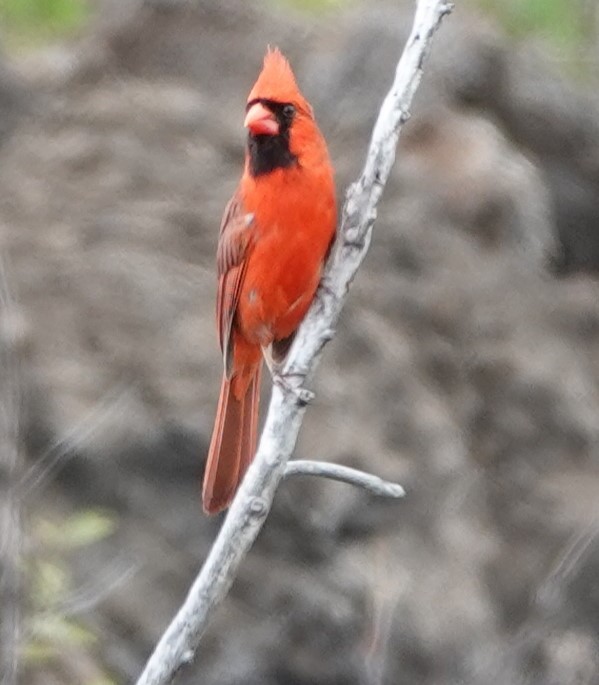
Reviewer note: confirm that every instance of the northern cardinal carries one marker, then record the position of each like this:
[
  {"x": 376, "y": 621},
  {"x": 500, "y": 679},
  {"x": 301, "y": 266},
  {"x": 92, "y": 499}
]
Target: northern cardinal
[{"x": 274, "y": 238}]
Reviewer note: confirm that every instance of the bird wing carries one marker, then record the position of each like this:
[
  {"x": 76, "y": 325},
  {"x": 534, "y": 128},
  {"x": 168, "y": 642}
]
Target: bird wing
[{"x": 234, "y": 243}]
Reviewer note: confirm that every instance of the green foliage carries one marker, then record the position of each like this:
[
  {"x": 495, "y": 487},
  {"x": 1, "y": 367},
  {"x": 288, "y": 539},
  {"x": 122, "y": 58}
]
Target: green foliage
[
  {"x": 26, "y": 23},
  {"x": 314, "y": 6},
  {"x": 565, "y": 23},
  {"x": 50, "y": 587},
  {"x": 79, "y": 530},
  {"x": 54, "y": 633}
]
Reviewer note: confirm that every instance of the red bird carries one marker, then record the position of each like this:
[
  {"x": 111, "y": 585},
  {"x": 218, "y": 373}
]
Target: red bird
[{"x": 274, "y": 238}]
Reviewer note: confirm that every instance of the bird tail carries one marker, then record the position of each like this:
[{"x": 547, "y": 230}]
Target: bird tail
[{"x": 233, "y": 443}]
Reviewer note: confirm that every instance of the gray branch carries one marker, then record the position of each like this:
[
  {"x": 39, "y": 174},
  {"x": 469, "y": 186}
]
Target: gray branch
[
  {"x": 288, "y": 401},
  {"x": 344, "y": 474}
]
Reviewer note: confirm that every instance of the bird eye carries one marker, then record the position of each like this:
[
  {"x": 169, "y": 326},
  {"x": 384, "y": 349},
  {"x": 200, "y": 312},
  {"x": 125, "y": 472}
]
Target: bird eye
[{"x": 288, "y": 111}]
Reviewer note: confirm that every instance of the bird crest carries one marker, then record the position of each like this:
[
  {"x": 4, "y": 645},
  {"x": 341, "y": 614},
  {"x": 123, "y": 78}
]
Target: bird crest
[{"x": 277, "y": 81}]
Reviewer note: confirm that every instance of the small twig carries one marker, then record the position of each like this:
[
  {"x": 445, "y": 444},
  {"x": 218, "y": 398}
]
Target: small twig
[
  {"x": 345, "y": 474},
  {"x": 286, "y": 410}
]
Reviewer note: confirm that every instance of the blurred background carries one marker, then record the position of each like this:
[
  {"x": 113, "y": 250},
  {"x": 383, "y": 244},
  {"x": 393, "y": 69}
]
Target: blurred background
[{"x": 466, "y": 364}]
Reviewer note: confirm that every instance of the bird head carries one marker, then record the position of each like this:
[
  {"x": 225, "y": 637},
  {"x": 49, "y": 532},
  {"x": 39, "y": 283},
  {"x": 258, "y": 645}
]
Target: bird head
[{"x": 278, "y": 117}]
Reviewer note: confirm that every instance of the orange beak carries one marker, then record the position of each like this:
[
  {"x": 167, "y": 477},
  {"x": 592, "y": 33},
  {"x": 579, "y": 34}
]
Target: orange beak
[{"x": 261, "y": 121}]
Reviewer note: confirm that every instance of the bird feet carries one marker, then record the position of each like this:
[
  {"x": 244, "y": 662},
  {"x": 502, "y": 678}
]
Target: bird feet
[
  {"x": 283, "y": 380},
  {"x": 302, "y": 395}
]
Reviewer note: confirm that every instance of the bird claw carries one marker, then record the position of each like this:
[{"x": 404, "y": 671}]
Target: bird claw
[{"x": 302, "y": 395}]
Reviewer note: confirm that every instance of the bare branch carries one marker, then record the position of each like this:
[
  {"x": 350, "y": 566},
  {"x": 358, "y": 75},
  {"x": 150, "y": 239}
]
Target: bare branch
[
  {"x": 325, "y": 469},
  {"x": 288, "y": 401}
]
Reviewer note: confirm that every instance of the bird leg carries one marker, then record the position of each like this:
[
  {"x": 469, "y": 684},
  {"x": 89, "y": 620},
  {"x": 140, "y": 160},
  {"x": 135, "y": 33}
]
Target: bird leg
[
  {"x": 274, "y": 367},
  {"x": 281, "y": 379}
]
